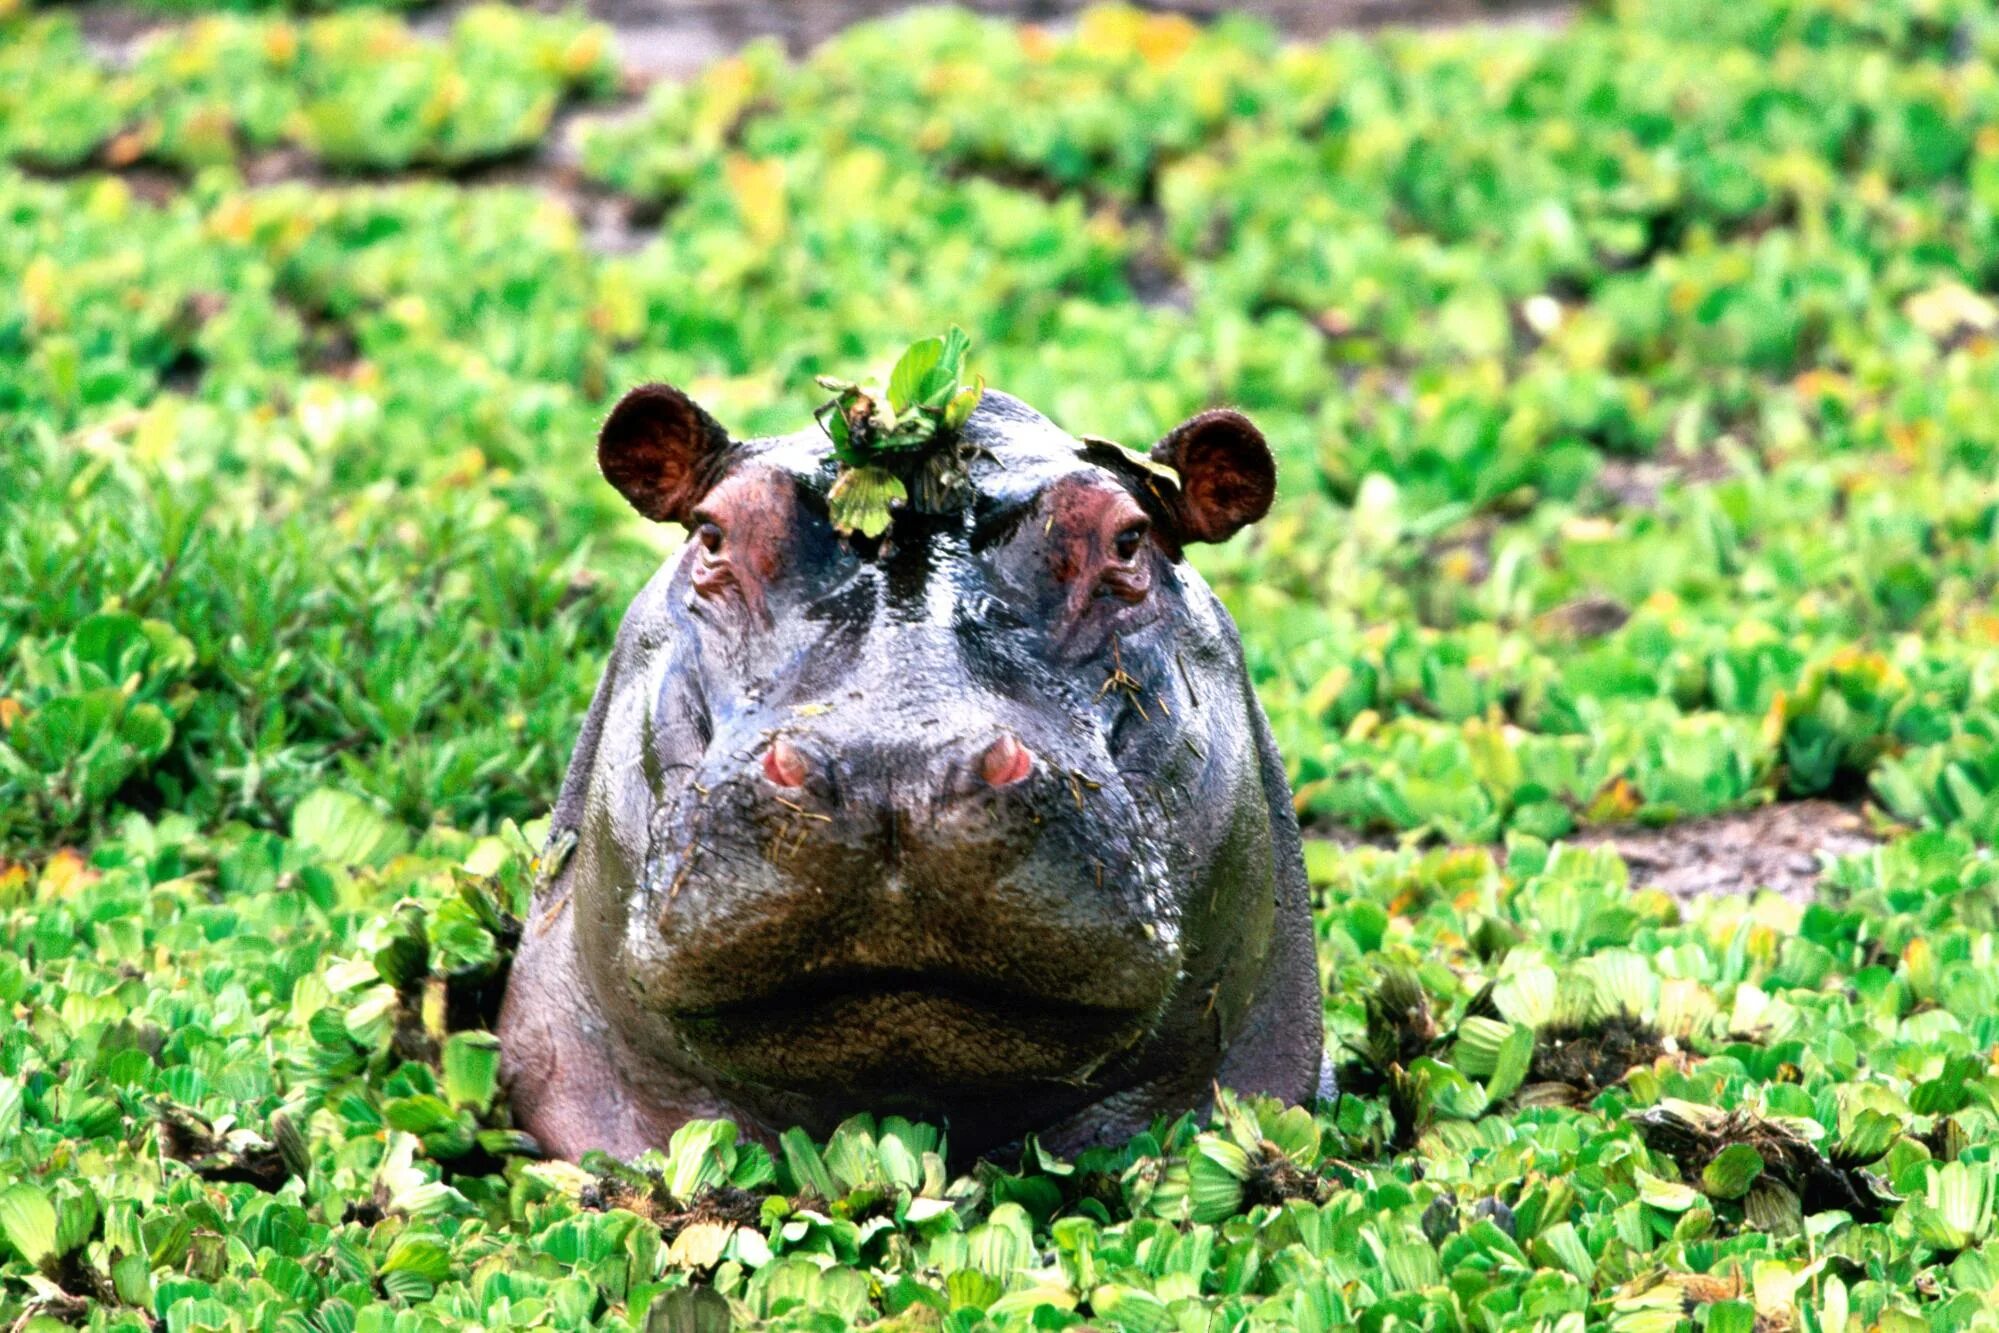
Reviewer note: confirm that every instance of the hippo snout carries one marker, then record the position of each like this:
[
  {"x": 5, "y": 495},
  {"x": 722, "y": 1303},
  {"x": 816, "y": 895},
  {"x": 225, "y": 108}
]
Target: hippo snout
[
  {"x": 1002, "y": 763},
  {"x": 814, "y": 864}
]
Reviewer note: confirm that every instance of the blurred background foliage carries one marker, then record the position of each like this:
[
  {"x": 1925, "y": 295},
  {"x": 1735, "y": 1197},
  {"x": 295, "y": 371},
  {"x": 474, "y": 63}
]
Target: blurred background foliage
[{"x": 1632, "y": 381}]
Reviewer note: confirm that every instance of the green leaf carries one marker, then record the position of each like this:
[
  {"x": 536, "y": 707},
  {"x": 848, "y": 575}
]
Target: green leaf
[
  {"x": 1296, "y": 1135},
  {"x": 851, "y": 1156},
  {"x": 1528, "y": 995},
  {"x": 132, "y": 1279},
  {"x": 699, "y": 1157},
  {"x": 1732, "y": 1172},
  {"x": 899, "y": 1166},
  {"x": 861, "y": 500},
  {"x": 1476, "y": 1053},
  {"x": 907, "y": 382},
  {"x": 1870, "y": 1135},
  {"x": 472, "y": 1070},
  {"x": 836, "y": 428},
  {"x": 1130, "y": 1309},
  {"x": 408, "y": 1287},
  {"x": 345, "y": 830},
  {"x": 146, "y": 729},
  {"x": 28, "y": 1223},
  {"x": 957, "y": 344},
  {"x": 10, "y": 1109},
  {"x": 916, "y": 1137},
  {"x": 972, "y": 1289},
  {"x": 1516, "y": 1057},
  {"x": 807, "y": 1169},
  {"x": 1667, "y": 1195},
  {"x": 941, "y": 384},
  {"x": 421, "y": 1255},
  {"x": 1562, "y": 1244},
  {"x": 693, "y": 1309},
  {"x": 291, "y": 1145},
  {"x": 962, "y": 404},
  {"x": 1771, "y": 1206},
  {"x": 1216, "y": 1171},
  {"x": 424, "y": 1113},
  {"x": 1731, "y": 1317},
  {"x": 1960, "y": 1195}
]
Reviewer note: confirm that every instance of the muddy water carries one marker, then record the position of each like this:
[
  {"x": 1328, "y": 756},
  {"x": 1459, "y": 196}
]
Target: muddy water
[
  {"x": 673, "y": 38},
  {"x": 676, "y": 38}
]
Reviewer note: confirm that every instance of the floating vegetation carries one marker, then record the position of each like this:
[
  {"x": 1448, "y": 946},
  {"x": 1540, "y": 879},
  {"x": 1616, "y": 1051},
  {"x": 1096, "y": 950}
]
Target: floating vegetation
[{"x": 1634, "y": 389}]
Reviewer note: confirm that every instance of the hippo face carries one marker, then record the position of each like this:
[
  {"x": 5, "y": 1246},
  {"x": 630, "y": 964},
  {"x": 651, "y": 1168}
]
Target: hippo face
[{"x": 963, "y": 822}]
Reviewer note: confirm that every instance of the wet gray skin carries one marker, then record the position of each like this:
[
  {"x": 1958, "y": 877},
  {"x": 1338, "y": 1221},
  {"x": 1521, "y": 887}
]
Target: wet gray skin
[{"x": 980, "y": 823}]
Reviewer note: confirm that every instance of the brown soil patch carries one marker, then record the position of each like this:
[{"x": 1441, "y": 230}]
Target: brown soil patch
[
  {"x": 1775, "y": 847},
  {"x": 1636, "y": 483},
  {"x": 675, "y": 37},
  {"x": 1590, "y": 616}
]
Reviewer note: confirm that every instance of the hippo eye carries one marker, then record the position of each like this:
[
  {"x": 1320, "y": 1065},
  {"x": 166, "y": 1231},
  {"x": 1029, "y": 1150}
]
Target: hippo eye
[
  {"x": 1125, "y": 545},
  {"x": 711, "y": 573}
]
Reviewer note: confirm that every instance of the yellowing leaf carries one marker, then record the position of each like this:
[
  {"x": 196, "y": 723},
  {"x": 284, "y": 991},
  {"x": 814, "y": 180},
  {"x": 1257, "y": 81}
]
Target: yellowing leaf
[
  {"x": 757, "y": 186},
  {"x": 1164, "y": 38},
  {"x": 28, "y": 1223},
  {"x": 1951, "y": 308},
  {"x": 65, "y": 873},
  {"x": 862, "y": 500}
]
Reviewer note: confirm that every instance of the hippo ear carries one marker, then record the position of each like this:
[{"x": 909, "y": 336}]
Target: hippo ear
[
  {"x": 1227, "y": 477},
  {"x": 661, "y": 451}
]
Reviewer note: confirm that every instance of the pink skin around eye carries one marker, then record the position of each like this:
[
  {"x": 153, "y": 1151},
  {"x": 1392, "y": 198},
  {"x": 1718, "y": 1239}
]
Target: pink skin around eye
[
  {"x": 711, "y": 573},
  {"x": 1127, "y": 584},
  {"x": 1083, "y": 537},
  {"x": 753, "y": 513}
]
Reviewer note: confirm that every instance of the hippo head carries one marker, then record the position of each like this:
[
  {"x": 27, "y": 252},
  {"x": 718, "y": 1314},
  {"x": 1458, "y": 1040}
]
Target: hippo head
[{"x": 968, "y": 821}]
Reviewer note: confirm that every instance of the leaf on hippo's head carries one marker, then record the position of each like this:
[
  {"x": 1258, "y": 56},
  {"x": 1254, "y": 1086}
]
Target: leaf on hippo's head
[
  {"x": 1123, "y": 458},
  {"x": 907, "y": 381},
  {"x": 863, "y": 500},
  {"x": 900, "y": 445},
  {"x": 959, "y": 409}
]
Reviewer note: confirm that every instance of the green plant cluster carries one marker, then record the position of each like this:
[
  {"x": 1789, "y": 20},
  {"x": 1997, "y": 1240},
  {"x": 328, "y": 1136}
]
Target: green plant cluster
[
  {"x": 1470, "y": 281},
  {"x": 356, "y": 91},
  {"x": 1099, "y": 111},
  {"x": 890, "y": 440},
  {"x": 253, "y": 1085},
  {"x": 1634, "y": 388}
]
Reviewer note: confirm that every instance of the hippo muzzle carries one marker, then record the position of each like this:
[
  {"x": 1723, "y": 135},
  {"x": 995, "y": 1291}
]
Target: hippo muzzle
[{"x": 873, "y": 912}]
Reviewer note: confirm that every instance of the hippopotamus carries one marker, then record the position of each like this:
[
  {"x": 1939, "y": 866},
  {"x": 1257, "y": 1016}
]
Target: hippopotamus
[{"x": 979, "y": 822}]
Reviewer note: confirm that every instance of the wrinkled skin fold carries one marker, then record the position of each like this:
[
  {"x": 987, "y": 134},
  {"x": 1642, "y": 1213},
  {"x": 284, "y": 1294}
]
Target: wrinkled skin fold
[{"x": 981, "y": 823}]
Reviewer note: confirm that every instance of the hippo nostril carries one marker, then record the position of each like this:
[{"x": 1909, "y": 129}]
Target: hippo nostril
[
  {"x": 1006, "y": 761},
  {"x": 783, "y": 764}
]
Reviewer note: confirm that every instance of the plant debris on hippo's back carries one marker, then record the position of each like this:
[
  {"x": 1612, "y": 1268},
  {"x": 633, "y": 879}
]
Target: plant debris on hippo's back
[{"x": 974, "y": 818}]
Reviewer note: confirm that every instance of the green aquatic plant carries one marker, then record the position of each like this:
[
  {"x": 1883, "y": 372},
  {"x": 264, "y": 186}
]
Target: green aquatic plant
[{"x": 901, "y": 444}]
